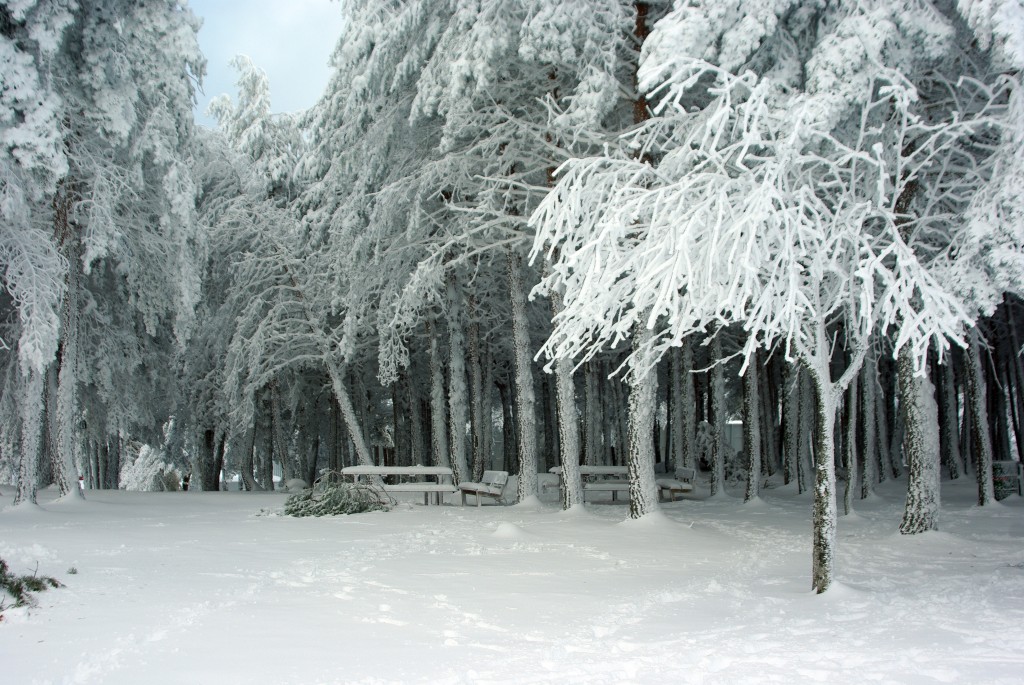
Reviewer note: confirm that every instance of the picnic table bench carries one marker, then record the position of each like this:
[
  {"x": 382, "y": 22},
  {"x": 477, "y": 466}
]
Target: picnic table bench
[
  {"x": 440, "y": 486},
  {"x": 613, "y": 479}
]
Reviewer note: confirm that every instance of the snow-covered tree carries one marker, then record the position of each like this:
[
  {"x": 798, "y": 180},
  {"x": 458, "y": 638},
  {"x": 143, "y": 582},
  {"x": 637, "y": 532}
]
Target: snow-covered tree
[{"x": 784, "y": 149}]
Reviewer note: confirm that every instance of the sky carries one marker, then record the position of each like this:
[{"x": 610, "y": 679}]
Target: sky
[{"x": 291, "y": 40}]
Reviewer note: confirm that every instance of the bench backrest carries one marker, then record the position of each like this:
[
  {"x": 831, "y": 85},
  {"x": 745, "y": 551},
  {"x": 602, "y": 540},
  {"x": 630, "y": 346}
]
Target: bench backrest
[
  {"x": 495, "y": 478},
  {"x": 686, "y": 474}
]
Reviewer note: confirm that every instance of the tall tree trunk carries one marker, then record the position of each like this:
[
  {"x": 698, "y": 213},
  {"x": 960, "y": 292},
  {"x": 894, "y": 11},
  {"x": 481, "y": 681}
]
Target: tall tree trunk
[
  {"x": 791, "y": 421},
  {"x": 620, "y": 404},
  {"x": 824, "y": 509},
  {"x": 853, "y": 481},
  {"x": 488, "y": 402},
  {"x": 438, "y": 409},
  {"x": 568, "y": 425},
  {"x": 509, "y": 448},
  {"x": 684, "y": 407},
  {"x": 950, "y": 415},
  {"x": 415, "y": 404},
  {"x": 882, "y": 425},
  {"x": 348, "y": 413},
  {"x": 806, "y": 454},
  {"x": 643, "y": 491},
  {"x": 33, "y": 387},
  {"x": 976, "y": 393},
  {"x": 458, "y": 401},
  {"x": 525, "y": 397},
  {"x": 870, "y": 440},
  {"x": 921, "y": 447},
  {"x": 752, "y": 428},
  {"x": 279, "y": 436},
  {"x": 68, "y": 441},
  {"x": 717, "y": 390},
  {"x": 476, "y": 396},
  {"x": 770, "y": 430},
  {"x": 592, "y": 452}
]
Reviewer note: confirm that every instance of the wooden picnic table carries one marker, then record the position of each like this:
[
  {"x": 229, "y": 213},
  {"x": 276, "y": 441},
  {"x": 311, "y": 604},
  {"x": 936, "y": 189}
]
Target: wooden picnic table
[
  {"x": 439, "y": 486},
  {"x": 613, "y": 479}
]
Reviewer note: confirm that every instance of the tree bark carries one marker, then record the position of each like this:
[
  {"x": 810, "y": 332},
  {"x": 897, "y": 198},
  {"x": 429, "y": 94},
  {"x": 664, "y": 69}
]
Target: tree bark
[
  {"x": 870, "y": 439},
  {"x": 824, "y": 509},
  {"x": 438, "y": 409},
  {"x": 717, "y": 417},
  {"x": 279, "y": 435},
  {"x": 33, "y": 387},
  {"x": 853, "y": 482},
  {"x": 791, "y": 421},
  {"x": 921, "y": 447},
  {"x": 476, "y": 392},
  {"x": 525, "y": 397},
  {"x": 643, "y": 491},
  {"x": 950, "y": 419},
  {"x": 568, "y": 425},
  {"x": 592, "y": 426},
  {"x": 752, "y": 428},
  {"x": 458, "y": 401},
  {"x": 976, "y": 393}
]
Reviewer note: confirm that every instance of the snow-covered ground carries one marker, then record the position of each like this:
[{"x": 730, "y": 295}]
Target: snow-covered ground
[{"x": 220, "y": 588}]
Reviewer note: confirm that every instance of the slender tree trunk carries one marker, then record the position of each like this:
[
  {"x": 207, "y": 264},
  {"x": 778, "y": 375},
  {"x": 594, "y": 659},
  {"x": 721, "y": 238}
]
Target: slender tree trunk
[
  {"x": 882, "y": 425},
  {"x": 438, "y": 409},
  {"x": 488, "y": 402},
  {"x": 853, "y": 481},
  {"x": 279, "y": 435},
  {"x": 643, "y": 491},
  {"x": 248, "y": 458},
  {"x": 950, "y": 419},
  {"x": 416, "y": 452},
  {"x": 976, "y": 393},
  {"x": 870, "y": 440},
  {"x": 807, "y": 455},
  {"x": 592, "y": 424},
  {"x": 770, "y": 429},
  {"x": 509, "y": 448},
  {"x": 348, "y": 413},
  {"x": 921, "y": 447},
  {"x": 476, "y": 395},
  {"x": 334, "y": 436},
  {"x": 568, "y": 425},
  {"x": 458, "y": 409},
  {"x": 684, "y": 407},
  {"x": 752, "y": 428},
  {"x": 525, "y": 398},
  {"x": 791, "y": 421},
  {"x": 717, "y": 390},
  {"x": 620, "y": 401}
]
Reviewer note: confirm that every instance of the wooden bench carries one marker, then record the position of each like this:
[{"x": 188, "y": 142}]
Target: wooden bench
[
  {"x": 440, "y": 486},
  {"x": 682, "y": 483},
  {"x": 491, "y": 485}
]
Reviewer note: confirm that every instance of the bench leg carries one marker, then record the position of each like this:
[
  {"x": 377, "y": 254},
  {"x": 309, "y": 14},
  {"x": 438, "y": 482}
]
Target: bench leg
[{"x": 478, "y": 499}]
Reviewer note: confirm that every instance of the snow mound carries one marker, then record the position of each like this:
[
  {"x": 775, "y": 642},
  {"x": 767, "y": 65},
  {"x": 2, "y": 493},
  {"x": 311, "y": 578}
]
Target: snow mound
[{"x": 510, "y": 531}]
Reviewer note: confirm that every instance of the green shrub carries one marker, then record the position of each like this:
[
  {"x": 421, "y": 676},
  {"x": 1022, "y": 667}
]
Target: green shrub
[
  {"x": 331, "y": 499},
  {"x": 20, "y": 588}
]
